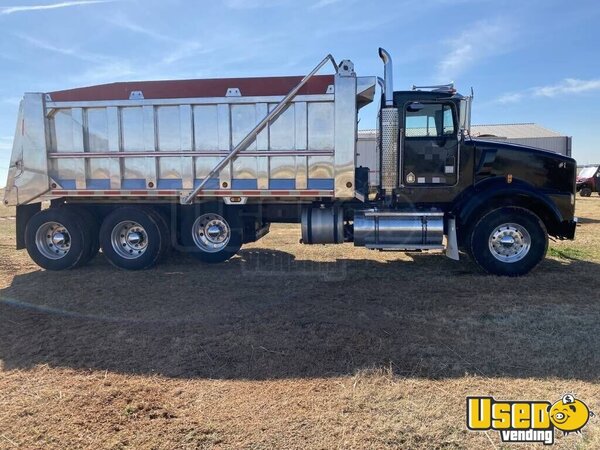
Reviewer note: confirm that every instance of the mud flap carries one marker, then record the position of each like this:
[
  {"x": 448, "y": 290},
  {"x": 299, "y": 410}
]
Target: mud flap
[
  {"x": 452, "y": 241},
  {"x": 24, "y": 213}
]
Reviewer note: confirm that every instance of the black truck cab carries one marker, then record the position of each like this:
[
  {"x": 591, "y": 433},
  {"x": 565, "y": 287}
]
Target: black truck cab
[{"x": 476, "y": 181}]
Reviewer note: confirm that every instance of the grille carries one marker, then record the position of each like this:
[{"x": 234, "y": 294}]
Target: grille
[{"x": 389, "y": 149}]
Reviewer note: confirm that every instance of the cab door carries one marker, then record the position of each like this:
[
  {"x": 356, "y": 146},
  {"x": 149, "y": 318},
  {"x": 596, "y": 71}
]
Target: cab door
[{"x": 429, "y": 144}]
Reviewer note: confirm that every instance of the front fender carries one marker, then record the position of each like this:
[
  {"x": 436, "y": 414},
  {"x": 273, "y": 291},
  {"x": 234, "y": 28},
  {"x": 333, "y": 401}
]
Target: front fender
[{"x": 494, "y": 192}]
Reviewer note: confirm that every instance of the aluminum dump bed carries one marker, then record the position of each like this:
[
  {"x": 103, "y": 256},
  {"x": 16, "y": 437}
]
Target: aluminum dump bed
[{"x": 161, "y": 139}]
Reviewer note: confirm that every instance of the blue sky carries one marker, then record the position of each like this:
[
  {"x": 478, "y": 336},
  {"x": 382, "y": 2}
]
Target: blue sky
[{"x": 528, "y": 61}]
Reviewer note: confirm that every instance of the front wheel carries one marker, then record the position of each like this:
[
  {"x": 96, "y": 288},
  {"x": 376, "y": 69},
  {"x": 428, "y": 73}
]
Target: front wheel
[
  {"x": 585, "y": 192},
  {"x": 508, "y": 241}
]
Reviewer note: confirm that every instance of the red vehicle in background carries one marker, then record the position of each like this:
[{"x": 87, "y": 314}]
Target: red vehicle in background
[{"x": 588, "y": 181}]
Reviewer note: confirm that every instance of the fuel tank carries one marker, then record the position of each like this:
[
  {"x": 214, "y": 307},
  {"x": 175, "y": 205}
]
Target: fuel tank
[{"x": 398, "y": 230}]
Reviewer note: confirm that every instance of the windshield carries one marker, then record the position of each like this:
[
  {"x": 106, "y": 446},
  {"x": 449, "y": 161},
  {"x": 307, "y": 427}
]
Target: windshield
[{"x": 587, "y": 172}]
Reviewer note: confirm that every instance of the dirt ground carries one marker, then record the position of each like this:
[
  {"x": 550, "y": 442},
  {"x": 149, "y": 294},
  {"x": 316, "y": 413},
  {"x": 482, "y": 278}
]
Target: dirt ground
[{"x": 291, "y": 346}]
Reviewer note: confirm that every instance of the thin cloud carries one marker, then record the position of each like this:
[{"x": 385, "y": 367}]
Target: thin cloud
[
  {"x": 355, "y": 27},
  {"x": 183, "y": 51},
  {"x": 4, "y": 10},
  {"x": 564, "y": 87},
  {"x": 12, "y": 101},
  {"x": 72, "y": 52},
  {"x": 180, "y": 49},
  {"x": 5, "y": 143},
  {"x": 100, "y": 67},
  {"x": 123, "y": 22},
  {"x": 257, "y": 4},
  {"x": 43, "y": 45},
  {"x": 253, "y": 4},
  {"x": 481, "y": 40},
  {"x": 107, "y": 72},
  {"x": 324, "y": 3},
  {"x": 567, "y": 86},
  {"x": 511, "y": 97}
]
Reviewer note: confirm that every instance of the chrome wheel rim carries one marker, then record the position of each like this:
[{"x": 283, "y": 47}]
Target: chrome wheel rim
[
  {"x": 129, "y": 239},
  {"x": 510, "y": 242},
  {"x": 211, "y": 233},
  {"x": 53, "y": 240}
]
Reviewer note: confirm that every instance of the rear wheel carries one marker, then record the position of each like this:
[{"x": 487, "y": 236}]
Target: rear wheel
[
  {"x": 212, "y": 235},
  {"x": 57, "y": 239},
  {"x": 90, "y": 221},
  {"x": 508, "y": 241},
  {"x": 585, "y": 192},
  {"x": 134, "y": 238}
]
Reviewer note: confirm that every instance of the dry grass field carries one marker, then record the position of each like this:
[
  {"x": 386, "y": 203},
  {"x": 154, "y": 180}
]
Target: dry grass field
[{"x": 290, "y": 346}]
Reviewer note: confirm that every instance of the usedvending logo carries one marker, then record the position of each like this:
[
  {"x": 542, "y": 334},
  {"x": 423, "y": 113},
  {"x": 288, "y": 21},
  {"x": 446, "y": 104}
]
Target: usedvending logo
[{"x": 527, "y": 421}]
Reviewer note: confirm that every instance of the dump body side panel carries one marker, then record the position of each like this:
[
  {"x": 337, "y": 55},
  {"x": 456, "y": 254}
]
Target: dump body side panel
[
  {"x": 164, "y": 147},
  {"x": 28, "y": 170}
]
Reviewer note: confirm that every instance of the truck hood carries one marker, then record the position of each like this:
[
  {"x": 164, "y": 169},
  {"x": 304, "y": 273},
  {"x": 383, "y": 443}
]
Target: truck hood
[
  {"x": 521, "y": 148},
  {"x": 548, "y": 171}
]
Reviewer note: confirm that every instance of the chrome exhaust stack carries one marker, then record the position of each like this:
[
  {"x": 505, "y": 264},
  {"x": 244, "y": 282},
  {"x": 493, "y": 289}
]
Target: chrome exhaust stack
[
  {"x": 388, "y": 132},
  {"x": 388, "y": 76}
]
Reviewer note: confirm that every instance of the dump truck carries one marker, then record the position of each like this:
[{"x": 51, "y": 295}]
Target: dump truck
[{"x": 203, "y": 166}]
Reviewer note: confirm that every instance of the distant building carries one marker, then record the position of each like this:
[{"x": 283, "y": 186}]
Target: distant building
[{"x": 530, "y": 134}]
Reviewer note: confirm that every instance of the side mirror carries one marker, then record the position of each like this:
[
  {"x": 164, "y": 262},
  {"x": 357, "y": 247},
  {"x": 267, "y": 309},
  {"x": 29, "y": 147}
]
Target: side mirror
[
  {"x": 464, "y": 120},
  {"x": 415, "y": 107}
]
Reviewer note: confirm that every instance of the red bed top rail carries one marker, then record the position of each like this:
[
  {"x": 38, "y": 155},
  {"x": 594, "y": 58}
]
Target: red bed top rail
[{"x": 216, "y": 87}]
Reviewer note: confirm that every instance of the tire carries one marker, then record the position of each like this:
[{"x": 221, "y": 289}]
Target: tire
[
  {"x": 92, "y": 224},
  {"x": 57, "y": 239},
  {"x": 167, "y": 231},
  {"x": 134, "y": 237},
  {"x": 508, "y": 241},
  {"x": 225, "y": 243},
  {"x": 585, "y": 192}
]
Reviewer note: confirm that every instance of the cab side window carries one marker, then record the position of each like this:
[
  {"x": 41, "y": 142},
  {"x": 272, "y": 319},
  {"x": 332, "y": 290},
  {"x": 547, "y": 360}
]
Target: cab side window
[{"x": 429, "y": 120}]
